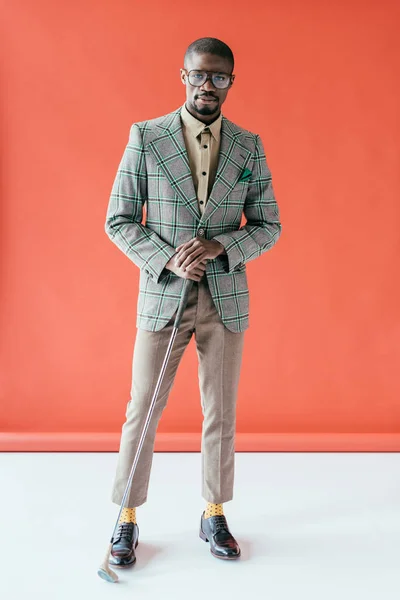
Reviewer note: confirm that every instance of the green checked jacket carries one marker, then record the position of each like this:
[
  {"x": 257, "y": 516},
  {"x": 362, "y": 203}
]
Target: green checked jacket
[{"x": 154, "y": 171}]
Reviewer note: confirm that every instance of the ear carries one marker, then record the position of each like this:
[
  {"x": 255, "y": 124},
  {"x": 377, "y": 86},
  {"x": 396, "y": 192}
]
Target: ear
[{"x": 183, "y": 76}]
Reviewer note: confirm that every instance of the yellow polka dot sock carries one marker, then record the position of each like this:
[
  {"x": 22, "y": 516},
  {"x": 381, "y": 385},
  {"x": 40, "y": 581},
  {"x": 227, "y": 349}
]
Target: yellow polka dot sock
[
  {"x": 128, "y": 515},
  {"x": 212, "y": 510}
]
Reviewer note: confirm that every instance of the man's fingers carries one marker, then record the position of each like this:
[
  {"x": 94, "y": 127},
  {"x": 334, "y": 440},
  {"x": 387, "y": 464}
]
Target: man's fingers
[
  {"x": 183, "y": 252},
  {"x": 195, "y": 265},
  {"x": 186, "y": 252},
  {"x": 194, "y": 274},
  {"x": 193, "y": 258},
  {"x": 192, "y": 267},
  {"x": 185, "y": 245}
]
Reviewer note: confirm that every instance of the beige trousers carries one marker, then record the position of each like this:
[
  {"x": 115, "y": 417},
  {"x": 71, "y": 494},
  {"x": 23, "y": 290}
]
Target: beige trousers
[{"x": 219, "y": 353}]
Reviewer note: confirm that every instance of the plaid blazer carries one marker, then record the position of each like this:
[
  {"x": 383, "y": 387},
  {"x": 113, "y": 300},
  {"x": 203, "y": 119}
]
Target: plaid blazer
[{"x": 154, "y": 171}]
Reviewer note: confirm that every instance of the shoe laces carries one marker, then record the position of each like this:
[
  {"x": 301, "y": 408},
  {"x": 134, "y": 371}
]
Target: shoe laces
[
  {"x": 125, "y": 530},
  {"x": 219, "y": 522}
]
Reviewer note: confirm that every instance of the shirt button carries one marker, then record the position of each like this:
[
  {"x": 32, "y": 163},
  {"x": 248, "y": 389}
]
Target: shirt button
[
  {"x": 200, "y": 232},
  {"x": 205, "y": 146},
  {"x": 201, "y": 202},
  {"x": 204, "y": 173}
]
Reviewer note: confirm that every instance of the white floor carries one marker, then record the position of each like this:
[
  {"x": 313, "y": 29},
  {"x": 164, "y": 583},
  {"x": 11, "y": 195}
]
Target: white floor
[{"x": 310, "y": 525}]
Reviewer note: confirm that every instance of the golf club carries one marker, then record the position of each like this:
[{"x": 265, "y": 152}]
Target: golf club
[{"x": 104, "y": 571}]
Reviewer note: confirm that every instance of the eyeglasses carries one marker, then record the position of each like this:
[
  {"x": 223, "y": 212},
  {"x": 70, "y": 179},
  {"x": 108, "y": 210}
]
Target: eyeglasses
[{"x": 219, "y": 80}]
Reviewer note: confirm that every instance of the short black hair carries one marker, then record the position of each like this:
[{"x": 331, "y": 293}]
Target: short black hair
[{"x": 209, "y": 45}]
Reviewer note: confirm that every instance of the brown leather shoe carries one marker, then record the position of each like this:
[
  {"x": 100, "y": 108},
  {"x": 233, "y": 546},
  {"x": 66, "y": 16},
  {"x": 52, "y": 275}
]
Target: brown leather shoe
[
  {"x": 216, "y": 531},
  {"x": 123, "y": 548}
]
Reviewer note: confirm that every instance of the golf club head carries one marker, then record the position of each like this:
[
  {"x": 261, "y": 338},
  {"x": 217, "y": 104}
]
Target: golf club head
[
  {"x": 104, "y": 570},
  {"x": 107, "y": 574}
]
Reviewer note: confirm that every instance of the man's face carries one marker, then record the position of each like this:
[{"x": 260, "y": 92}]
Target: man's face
[{"x": 206, "y": 100}]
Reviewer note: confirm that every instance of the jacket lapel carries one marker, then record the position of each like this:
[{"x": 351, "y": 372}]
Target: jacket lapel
[
  {"x": 233, "y": 158},
  {"x": 170, "y": 152}
]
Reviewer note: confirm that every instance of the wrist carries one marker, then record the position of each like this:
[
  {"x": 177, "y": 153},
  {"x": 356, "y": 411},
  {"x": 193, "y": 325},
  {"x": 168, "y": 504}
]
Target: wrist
[
  {"x": 222, "y": 248},
  {"x": 170, "y": 263}
]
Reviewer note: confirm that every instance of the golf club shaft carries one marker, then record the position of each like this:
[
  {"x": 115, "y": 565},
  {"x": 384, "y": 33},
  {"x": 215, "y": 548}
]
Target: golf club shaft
[{"x": 182, "y": 305}]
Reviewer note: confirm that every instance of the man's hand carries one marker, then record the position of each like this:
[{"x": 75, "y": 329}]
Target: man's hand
[
  {"x": 196, "y": 250},
  {"x": 196, "y": 273},
  {"x": 191, "y": 258}
]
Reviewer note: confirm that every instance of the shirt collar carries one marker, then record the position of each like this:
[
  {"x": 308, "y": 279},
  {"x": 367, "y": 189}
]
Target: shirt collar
[{"x": 195, "y": 126}]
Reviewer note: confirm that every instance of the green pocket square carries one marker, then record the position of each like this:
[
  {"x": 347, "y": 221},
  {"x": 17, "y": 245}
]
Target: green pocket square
[{"x": 245, "y": 175}]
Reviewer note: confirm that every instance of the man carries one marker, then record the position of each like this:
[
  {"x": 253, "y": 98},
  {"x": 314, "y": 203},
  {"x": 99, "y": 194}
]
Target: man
[{"x": 197, "y": 173}]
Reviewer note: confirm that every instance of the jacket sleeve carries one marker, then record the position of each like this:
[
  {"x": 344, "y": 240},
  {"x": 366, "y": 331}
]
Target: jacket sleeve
[
  {"x": 125, "y": 212},
  {"x": 263, "y": 227}
]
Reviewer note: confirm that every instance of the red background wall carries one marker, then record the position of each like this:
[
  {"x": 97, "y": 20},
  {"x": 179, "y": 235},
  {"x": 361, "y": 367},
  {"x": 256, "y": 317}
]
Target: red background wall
[{"x": 319, "y": 83}]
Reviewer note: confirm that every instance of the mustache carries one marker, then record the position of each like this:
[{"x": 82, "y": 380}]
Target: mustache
[{"x": 207, "y": 96}]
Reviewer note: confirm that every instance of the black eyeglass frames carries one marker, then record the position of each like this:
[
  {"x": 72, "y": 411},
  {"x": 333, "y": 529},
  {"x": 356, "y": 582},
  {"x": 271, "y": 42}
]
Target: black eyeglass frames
[{"x": 219, "y": 80}]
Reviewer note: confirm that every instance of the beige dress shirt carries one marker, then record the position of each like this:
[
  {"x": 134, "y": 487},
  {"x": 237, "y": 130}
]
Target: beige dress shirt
[{"x": 202, "y": 144}]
